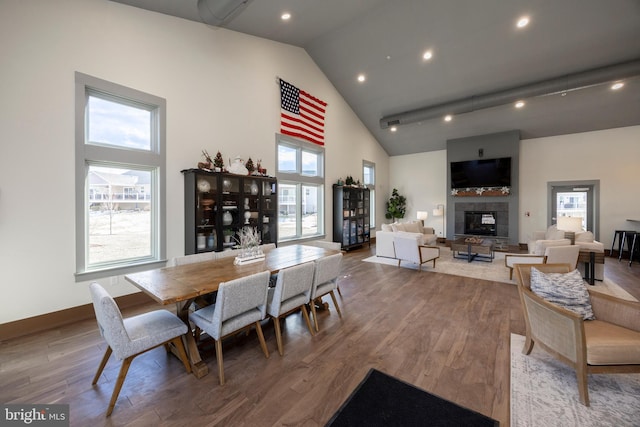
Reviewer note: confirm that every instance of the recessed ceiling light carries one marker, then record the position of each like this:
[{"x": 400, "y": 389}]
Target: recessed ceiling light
[
  {"x": 519, "y": 104},
  {"x": 427, "y": 55},
  {"x": 448, "y": 118},
  {"x": 617, "y": 85},
  {"x": 393, "y": 128},
  {"x": 285, "y": 16},
  {"x": 523, "y": 22},
  {"x": 361, "y": 78}
]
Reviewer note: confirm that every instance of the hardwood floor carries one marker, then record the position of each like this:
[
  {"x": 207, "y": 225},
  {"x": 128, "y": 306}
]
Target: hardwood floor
[{"x": 446, "y": 334}]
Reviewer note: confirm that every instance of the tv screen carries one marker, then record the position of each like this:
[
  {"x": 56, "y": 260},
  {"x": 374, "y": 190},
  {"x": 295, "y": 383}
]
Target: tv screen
[{"x": 481, "y": 173}]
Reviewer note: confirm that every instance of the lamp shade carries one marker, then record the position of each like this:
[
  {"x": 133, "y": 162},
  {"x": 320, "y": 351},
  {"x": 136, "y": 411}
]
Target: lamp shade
[
  {"x": 422, "y": 215},
  {"x": 569, "y": 223},
  {"x": 439, "y": 211}
]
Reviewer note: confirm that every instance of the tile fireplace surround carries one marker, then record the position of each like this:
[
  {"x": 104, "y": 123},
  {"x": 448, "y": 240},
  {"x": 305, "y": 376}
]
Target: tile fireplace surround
[{"x": 501, "y": 209}]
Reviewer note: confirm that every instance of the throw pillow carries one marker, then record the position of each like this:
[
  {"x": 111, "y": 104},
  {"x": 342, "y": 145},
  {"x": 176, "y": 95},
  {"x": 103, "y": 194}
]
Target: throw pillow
[
  {"x": 413, "y": 227},
  {"x": 398, "y": 227},
  {"x": 386, "y": 227},
  {"x": 566, "y": 290},
  {"x": 584, "y": 236}
]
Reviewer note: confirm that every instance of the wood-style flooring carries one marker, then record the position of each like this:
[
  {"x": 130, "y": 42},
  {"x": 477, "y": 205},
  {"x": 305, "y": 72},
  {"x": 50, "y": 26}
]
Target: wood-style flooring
[{"x": 446, "y": 334}]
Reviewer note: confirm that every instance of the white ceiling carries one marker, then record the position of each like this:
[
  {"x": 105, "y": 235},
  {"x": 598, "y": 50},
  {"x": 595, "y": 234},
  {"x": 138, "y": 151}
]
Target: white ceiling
[{"x": 476, "y": 50}]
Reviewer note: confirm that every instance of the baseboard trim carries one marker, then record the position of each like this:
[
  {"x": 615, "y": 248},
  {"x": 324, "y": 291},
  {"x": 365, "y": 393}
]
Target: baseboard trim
[{"x": 60, "y": 318}]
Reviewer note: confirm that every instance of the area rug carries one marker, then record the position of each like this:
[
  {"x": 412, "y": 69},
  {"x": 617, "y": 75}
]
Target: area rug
[
  {"x": 494, "y": 271},
  {"x": 544, "y": 392},
  {"x": 382, "y": 400}
]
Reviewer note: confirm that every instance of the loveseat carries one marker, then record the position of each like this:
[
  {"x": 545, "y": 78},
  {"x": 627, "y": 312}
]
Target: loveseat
[{"x": 384, "y": 237}]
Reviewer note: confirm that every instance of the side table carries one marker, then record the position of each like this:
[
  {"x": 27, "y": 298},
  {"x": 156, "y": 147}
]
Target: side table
[{"x": 590, "y": 258}]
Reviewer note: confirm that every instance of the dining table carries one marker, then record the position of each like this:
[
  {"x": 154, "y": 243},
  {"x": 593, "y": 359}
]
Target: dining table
[{"x": 184, "y": 284}]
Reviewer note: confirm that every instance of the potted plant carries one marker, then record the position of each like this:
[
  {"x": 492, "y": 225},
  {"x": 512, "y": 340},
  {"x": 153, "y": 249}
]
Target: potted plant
[{"x": 396, "y": 206}]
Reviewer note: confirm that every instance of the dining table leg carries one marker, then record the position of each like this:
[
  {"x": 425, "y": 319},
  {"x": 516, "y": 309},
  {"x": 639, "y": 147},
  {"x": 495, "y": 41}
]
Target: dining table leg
[{"x": 198, "y": 366}]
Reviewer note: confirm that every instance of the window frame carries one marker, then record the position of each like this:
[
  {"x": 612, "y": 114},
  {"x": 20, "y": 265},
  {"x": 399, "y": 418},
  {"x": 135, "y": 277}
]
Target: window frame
[
  {"x": 372, "y": 192},
  {"x": 95, "y": 154},
  {"x": 299, "y": 179}
]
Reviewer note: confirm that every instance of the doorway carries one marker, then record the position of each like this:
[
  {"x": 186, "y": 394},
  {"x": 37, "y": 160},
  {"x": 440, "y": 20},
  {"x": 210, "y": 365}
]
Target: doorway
[{"x": 576, "y": 199}]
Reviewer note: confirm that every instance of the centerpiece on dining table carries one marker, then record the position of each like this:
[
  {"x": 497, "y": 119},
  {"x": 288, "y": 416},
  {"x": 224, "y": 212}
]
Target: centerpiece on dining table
[{"x": 250, "y": 250}]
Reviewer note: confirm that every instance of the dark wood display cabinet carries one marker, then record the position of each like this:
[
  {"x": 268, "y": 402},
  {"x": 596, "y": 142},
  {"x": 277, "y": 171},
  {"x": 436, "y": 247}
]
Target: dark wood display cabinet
[
  {"x": 217, "y": 205},
  {"x": 351, "y": 216}
]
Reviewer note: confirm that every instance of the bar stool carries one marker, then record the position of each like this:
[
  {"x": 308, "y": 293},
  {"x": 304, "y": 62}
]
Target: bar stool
[
  {"x": 634, "y": 246},
  {"x": 619, "y": 234},
  {"x": 627, "y": 236}
]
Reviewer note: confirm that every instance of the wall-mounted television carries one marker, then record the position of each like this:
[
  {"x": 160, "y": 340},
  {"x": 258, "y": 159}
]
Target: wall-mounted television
[{"x": 481, "y": 173}]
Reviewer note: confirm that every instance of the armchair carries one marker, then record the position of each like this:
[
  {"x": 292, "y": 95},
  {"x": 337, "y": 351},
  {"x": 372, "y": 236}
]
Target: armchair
[
  {"x": 609, "y": 344},
  {"x": 408, "y": 248}
]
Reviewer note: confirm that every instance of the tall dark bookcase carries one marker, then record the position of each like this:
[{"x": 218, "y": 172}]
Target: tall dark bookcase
[{"x": 351, "y": 216}]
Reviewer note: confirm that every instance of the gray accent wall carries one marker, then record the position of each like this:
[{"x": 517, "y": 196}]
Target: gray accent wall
[{"x": 492, "y": 146}]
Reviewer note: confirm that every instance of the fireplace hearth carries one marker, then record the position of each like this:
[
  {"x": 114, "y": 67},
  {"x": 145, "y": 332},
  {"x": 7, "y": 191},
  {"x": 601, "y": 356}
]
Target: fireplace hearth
[{"x": 481, "y": 223}]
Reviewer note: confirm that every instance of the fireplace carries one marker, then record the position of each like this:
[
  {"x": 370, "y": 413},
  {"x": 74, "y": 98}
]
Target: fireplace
[{"x": 481, "y": 223}]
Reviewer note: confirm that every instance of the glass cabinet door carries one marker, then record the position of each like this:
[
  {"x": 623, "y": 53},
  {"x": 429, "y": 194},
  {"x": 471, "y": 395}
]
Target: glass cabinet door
[{"x": 205, "y": 221}]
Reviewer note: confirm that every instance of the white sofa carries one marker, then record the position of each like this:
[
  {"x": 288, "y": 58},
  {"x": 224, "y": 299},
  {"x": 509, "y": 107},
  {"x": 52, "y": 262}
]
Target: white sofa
[{"x": 384, "y": 237}]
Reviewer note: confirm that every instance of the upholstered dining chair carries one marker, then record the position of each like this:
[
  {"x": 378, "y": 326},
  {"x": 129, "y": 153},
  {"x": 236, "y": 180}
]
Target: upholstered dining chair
[
  {"x": 608, "y": 344},
  {"x": 193, "y": 258},
  {"x": 409, "y": 249},
  {"x": 130, "y": 337},
  {"x": 325, "y": 280},
  {"x": 292, "y": 292},
  {"x": 335, "y": 246},
  {"x": 240, "y": 304}
]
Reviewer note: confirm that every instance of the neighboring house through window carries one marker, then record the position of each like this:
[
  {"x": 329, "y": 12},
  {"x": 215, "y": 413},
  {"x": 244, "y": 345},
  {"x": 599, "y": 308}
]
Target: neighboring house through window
[
  {"x": 120, "y": 168},
  {"x": 300, "y": 173}
]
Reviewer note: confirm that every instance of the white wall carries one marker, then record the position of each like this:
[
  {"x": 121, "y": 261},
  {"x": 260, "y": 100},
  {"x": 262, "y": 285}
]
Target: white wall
[
  {"x": 611, "y": 156},
  {"x": 421, "y": 178},
  {"x": 221, "y": 94}
]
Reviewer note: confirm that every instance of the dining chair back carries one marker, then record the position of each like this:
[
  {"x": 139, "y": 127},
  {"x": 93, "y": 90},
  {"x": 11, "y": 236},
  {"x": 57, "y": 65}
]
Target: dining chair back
[
  {"x": 128, "y": 337},
  {"x": 193, "y": 258},
  {"x": 291, "y": 292},
  {"x": 240, "y": 303},
  {"x": 325, "y": 280}
]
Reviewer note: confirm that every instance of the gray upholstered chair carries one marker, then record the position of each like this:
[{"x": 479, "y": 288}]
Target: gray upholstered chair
[
  {"x": 127, "y": 338},
  {"x": 193, "y": 258},
  {"x": 268, "y": 246},
  {"x": 409, "y": 249},
  {"x": 325, "y": 244},
  {"x": 608, "y": 344},
  {"x": 228, "y": 253},
  {"x": 325, "y": 280},
  {"x": 240, "y": 304},
  {"x": 292, "y": 292}
]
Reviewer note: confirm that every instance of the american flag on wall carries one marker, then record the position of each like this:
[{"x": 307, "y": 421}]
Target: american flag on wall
[{"x": 301, "y": 115}]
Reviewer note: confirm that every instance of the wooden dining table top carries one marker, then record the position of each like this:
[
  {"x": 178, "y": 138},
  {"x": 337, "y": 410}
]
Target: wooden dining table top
[{"x": 185, "y": 282}]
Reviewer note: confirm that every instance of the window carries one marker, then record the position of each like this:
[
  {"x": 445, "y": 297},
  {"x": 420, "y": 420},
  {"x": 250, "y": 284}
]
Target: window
[
  {"x": 300, "y": 189},
  {"x": 369, "y": 180},
  {"x": 120, "y": 163}
]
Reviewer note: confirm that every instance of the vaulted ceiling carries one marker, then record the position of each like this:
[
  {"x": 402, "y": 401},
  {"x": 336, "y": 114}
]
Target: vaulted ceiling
[{"x": 478, "y": 54}]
